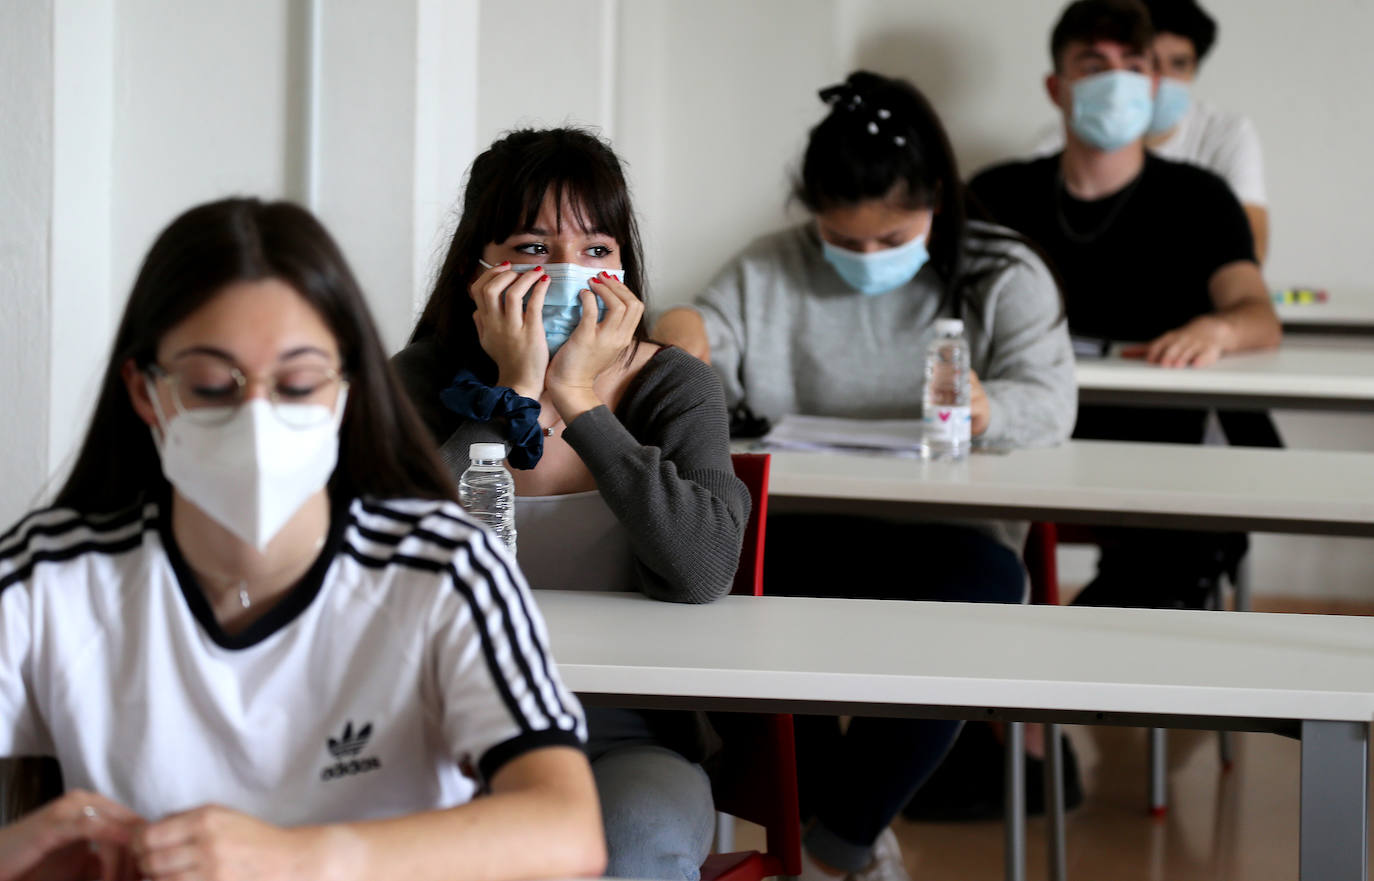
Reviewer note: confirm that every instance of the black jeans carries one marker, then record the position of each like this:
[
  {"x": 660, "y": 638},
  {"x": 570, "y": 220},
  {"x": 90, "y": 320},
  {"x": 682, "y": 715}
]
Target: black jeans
[
  {"x": 856, "y": 781},
  {"x": 1165, "y": 568}
]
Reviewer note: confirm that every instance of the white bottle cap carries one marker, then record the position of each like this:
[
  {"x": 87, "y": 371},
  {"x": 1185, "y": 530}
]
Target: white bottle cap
[
  {"x": 487, "y": 451},
  {"x": 949, "y": 326}
]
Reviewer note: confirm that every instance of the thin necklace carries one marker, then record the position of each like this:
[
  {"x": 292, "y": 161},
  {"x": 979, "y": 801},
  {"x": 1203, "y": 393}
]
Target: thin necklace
[
  {"x": 240, "y": 584},
  {"x": 1083, "y": 238}
]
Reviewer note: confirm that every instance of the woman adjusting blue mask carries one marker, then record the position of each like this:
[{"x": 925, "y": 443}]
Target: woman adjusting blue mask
[
  {"x": 562, "y": 308},
  {"x": 878, "y": 272}
]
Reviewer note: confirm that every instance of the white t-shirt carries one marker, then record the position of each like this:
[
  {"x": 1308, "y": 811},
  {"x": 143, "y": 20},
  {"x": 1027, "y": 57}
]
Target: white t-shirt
[
  {"x": 1224, "y": 143},
  {"x": 409, "y": 661},
  {"x": 573, "y": 542}
]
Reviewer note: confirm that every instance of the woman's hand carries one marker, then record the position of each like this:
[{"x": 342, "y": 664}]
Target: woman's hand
[
  {"x": 217, "y": 844},
  {"x": 80, "y": 835},
  {"x": 593, "y": 346},
  {"x": 510, "y": 330},
  {"x": 979, "y": 409}
]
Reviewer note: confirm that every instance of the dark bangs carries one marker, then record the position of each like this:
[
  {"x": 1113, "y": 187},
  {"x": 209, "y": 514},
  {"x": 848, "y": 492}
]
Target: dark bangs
[
  {"x": 505, "y": 190},
  {"x": 1115, "y": 21}
]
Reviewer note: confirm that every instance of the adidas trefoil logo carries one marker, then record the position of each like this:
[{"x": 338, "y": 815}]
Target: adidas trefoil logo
[
  {"x": 345, "y": 748},
  {"x": 350, "y": 744}
]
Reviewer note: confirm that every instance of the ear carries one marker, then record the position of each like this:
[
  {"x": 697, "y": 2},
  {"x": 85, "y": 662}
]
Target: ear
[
  {"x": 136, "y": 382},
  {"x": 1052, "y": 87}
]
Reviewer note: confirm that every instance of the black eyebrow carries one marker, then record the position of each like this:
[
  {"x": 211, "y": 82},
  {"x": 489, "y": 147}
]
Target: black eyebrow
[{"x": 225, "y": 356}]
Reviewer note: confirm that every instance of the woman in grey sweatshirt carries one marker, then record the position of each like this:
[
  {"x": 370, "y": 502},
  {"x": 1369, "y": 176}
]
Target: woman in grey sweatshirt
[
  {"x": 619, "y": 447},
  {"x": 832, "y": 318}
]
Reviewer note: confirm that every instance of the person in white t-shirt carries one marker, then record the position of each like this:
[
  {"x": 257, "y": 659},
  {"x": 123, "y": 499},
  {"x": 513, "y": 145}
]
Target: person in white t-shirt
[
  {"x": 255, "y": 630},
  {"x": 1186, "y": 128}
]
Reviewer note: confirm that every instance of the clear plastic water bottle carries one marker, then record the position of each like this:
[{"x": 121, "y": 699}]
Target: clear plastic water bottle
[
  {"x": 487, "y": 491},
  {"x": 945, "y": 419}
]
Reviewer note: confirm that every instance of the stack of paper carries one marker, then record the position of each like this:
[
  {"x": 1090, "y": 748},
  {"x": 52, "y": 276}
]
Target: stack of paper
[{"x": 901, "y": 437}]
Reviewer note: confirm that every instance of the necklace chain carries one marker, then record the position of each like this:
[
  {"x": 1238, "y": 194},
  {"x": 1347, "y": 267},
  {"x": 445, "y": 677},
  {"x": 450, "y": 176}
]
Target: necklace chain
[
  {"x": 1121, "y": 197},
  {"x": 240, "y": 584}
]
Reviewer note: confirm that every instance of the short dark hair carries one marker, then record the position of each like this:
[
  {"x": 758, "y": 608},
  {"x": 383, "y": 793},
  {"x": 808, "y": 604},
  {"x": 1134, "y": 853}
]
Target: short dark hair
[
  {"x": 1187, "y": 19},
  {"x": 384, "y": 451},
  {"x": 1088, "y": 21},
  {"x": 505, "y": 189}
]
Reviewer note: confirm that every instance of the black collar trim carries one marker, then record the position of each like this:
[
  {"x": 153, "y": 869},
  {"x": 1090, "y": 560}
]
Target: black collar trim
[{"x": 287, "y": 609}]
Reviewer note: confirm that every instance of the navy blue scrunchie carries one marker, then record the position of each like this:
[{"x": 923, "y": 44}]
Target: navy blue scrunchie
[{"x": 471, "y": 399}]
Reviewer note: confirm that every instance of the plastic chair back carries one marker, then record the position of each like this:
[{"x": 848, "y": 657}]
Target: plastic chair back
[{"x": 755, "y": 775}]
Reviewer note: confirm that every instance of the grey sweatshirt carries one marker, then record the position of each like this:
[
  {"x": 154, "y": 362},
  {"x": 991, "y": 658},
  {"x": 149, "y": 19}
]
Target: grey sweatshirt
[
  {"x": 788, "y": 335},
  {"x": 661, "y": 462}
]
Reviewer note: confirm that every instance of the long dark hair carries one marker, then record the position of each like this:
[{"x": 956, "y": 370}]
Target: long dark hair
[
  {"x": 384, "y": 450},
  {"x": 505, "y": 189},
  {"x": 883, "y": 140}
]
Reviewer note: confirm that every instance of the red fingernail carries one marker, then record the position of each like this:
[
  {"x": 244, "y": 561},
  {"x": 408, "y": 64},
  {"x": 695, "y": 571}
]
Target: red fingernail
[
  {"x": 616, "y": 277},
  {"x": 545, "y": 278},
  {"x": 504, "y": 263}
]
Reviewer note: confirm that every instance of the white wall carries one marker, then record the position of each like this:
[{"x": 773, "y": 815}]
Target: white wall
[{"x": 26, "y": 192}]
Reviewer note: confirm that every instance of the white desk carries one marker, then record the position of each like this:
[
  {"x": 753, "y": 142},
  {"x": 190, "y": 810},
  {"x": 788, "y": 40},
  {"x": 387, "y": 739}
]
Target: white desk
[
  {"x": 1355, "y": 317},
  {"x": 1299, "y": 674},
  {"x": 1292, "y": 377},
  {"x": 1101, "y": 483}
]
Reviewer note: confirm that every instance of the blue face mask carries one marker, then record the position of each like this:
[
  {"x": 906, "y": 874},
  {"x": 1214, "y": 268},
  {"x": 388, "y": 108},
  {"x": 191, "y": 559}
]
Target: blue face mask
[
  {"x": 562, "y": 309},
  {"x": 879, "y": 271},
  {"x": 1111, "y": 109},
  {"x": 1171, "y": 102}
]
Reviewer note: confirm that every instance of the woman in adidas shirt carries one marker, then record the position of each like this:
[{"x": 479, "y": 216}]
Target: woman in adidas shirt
[{"x": 255, "y": 631}]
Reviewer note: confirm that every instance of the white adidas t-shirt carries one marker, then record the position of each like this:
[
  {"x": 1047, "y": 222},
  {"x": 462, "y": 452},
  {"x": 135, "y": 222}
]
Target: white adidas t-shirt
[
  {"x": 411, "y": 652},
  {"x": 1224, "y": 143}
]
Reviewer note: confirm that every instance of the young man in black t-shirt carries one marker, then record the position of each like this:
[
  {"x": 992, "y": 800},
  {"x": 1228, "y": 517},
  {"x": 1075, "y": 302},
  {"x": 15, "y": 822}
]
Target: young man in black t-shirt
[{"x": 1150, "y": 252}]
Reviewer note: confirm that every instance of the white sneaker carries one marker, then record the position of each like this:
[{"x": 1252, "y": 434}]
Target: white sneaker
[
  {"x": 812, "y": 872},
  {"x": 887, "y": 864}
]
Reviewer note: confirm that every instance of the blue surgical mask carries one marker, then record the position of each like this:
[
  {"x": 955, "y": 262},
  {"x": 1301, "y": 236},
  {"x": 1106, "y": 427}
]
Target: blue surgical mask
[
  {"x": 878, "y": 272},
  {"x": 562, "y": 309},
  {"x": 1171, "y": 103},
  {"x": 1111, "y": 109}
]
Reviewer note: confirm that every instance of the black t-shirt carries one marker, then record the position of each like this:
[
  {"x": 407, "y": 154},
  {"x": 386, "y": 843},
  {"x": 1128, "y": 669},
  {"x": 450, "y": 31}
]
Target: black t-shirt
[{"x": 1133, "y": 265}]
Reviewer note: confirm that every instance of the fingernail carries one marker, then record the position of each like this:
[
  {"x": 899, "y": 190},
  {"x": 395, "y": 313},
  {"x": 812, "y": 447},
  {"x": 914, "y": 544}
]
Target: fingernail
[
  {"x": 616, "y": 277},
  {"x": 504, "y": 263},
  {"x": 545, "y": 278}
]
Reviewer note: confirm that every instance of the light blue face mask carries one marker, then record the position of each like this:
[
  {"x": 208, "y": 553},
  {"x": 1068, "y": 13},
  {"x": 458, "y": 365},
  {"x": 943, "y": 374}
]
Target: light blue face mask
[
  {"x": 562, "y": 309},
  {"x": 1111, "y": 109},
  {"x": 1171, "y": 102},
  {"x": 879, "y": 271}
]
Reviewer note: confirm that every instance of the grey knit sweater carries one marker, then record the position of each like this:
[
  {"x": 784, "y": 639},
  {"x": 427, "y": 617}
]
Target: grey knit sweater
[
  {"x": 661, "y": 462},
  {"x": 788, "y": 335}
]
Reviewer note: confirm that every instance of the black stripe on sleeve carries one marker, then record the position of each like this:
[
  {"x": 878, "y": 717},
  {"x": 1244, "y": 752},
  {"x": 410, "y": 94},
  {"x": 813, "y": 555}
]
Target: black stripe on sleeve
[
  {"x": 561, "y": 715},
  {"x": 541, "y": 650},
  {"x": 557, "y": 717},
  {"x": 498, "y": 756},
  {"x": 63, "y": 554},
  {"x": 71, "y": 523},
  {"x": 479, "y": 618}
]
